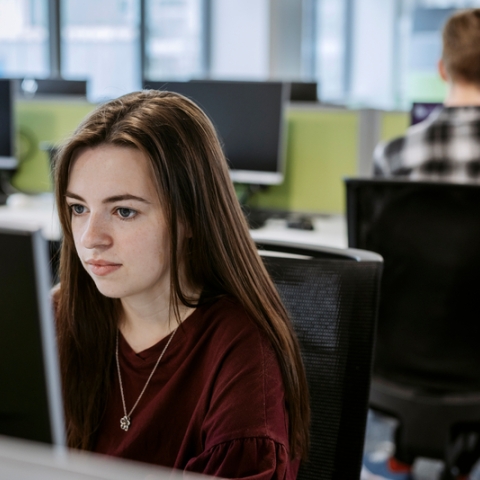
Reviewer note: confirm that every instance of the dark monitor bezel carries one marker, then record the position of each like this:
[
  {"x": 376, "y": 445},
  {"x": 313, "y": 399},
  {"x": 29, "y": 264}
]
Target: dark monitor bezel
[{"x": 7, "y": 152}]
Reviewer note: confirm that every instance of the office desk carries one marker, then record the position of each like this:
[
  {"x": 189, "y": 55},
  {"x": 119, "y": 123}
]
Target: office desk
[
  {"x": 32, "y": 210},
  {"x": 329, "y": 230}
]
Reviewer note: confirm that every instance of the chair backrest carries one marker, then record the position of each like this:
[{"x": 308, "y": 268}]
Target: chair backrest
[
  {"x": 331, "y": 296},
  {"x": 429, "y": 236}
]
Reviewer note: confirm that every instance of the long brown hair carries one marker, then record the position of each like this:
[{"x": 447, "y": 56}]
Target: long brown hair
[{"x": 194, "y": 186}]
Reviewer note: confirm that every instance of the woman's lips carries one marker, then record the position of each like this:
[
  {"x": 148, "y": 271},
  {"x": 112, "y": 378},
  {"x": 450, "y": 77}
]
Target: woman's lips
[{"x": 102, "y": 268}]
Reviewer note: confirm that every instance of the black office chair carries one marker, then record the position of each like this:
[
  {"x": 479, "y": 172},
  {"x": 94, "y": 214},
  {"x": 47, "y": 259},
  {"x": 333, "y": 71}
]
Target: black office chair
[
  {"x": 331, "y": 295},
  {"x": 427, "y": 356}
]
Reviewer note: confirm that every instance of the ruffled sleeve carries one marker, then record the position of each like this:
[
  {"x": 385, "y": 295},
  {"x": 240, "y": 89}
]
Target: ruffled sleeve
[{"x": 256, "y": 458}]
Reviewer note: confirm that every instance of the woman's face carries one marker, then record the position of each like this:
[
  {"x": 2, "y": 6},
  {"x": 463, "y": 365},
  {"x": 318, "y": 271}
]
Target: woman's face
[{"x": 118, "y": 224}]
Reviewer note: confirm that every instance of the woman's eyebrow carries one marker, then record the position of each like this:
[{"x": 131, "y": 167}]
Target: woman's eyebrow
[
  {"x": 126, "y": 196},
  {"x": 113, "y": 199},
  {"x": 74, "y": 195}
]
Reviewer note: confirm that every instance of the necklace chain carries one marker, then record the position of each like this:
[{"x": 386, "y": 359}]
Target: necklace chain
[{"x": 125, "y": 421}]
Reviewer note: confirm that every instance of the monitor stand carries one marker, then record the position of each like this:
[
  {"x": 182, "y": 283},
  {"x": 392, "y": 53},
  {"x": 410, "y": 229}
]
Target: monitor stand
[
  {"x": 256, "y": 217},
  {"x": 3, "y": 187}
]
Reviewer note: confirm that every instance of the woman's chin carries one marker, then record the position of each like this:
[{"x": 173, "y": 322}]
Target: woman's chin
[{"x": 109, "y": 291}]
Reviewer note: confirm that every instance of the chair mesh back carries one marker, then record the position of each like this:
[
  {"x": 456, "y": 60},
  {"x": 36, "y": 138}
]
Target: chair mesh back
[
  {"x": 332, "y": 304},
  {"x": 429, "y": 237}
]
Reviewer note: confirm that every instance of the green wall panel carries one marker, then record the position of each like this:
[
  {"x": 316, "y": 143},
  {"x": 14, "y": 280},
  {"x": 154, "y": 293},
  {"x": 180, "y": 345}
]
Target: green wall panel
[
  {"x": 322, "y": 149},
  {"x": 43, "y": 121},
  {"x": 393, "y": 125}
]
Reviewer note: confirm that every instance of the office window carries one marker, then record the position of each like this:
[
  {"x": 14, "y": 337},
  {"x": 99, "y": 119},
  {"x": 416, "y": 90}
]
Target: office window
[
  {"x": 240, "y": 33},
  {"x": 24, "y": 37},
  {"x": 353, "y": 51},
  {"x": 330, "y": 49},
  {"x": 419, "y": 48},
  {"x": 174, "y": 39},
  {"x": 380, "y": 53},
  {"x": 100, "y": 43}
]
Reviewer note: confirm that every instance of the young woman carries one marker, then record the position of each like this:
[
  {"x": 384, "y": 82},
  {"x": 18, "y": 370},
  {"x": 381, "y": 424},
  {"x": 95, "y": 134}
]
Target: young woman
[{"x": 175, "y": 348}]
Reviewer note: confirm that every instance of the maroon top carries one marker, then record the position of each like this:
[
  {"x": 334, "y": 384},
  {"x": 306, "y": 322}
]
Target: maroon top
[{"x": 215, "y": 404}]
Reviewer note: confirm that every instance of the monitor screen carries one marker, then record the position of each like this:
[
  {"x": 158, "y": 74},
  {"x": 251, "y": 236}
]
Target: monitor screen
[
  {"x": 7, "y": 148},
  {"x": 30, "y": 395},
  {"x": 249, "y": 119},
  {"x": 421, "y": 110}
]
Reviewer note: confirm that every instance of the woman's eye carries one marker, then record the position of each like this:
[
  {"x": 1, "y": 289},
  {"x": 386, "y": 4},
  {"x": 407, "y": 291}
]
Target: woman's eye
[
  {"x": 126, "y": 212},
  {"x": 77, "y": 209}
]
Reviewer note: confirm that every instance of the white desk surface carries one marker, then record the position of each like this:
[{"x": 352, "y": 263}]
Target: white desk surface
[
  {"x": 32, "y": 211},
  {"x": 329, "y": 231},
  {"x": 40, "y": 211}
]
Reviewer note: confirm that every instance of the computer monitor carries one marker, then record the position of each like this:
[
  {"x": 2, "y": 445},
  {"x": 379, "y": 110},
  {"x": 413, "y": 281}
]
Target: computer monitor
[
  {"x": 30, "y": 87},
  {"x": 30, "y": 394},
  {"x": 250, "y": 121},
  {"x": 421, "y": 110}
]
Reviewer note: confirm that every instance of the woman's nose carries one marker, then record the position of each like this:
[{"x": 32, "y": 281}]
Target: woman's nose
[{"x": 96, "y": 232}]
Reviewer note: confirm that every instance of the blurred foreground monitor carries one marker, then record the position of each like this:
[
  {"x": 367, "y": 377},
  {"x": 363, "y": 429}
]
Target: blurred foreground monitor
[{"x": 31, "y": 404}]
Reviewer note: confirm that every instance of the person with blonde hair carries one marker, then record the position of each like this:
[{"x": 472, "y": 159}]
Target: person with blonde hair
[
  {"x": 445, "y": 146},
  {"x": 175, "y": 348}
]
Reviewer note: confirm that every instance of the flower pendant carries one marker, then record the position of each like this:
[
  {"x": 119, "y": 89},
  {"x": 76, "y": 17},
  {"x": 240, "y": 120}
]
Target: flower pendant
[{"x": 125, "y": 423}]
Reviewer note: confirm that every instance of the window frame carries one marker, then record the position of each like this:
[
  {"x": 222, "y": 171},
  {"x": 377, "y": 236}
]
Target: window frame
[{"x": 55, "y": 44}]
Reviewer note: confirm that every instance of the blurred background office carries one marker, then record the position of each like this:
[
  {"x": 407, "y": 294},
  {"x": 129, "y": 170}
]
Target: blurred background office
[
  {"x": 374, "y": 53},
  {"x": 372, "y": 57}
]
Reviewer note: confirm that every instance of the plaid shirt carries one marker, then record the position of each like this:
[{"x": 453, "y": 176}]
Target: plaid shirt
[{"x": 445, "y": 146}]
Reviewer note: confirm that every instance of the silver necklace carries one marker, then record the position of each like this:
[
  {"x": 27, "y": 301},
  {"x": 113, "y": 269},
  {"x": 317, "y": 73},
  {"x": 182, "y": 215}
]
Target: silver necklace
[{"x": 126, "y": 421}]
